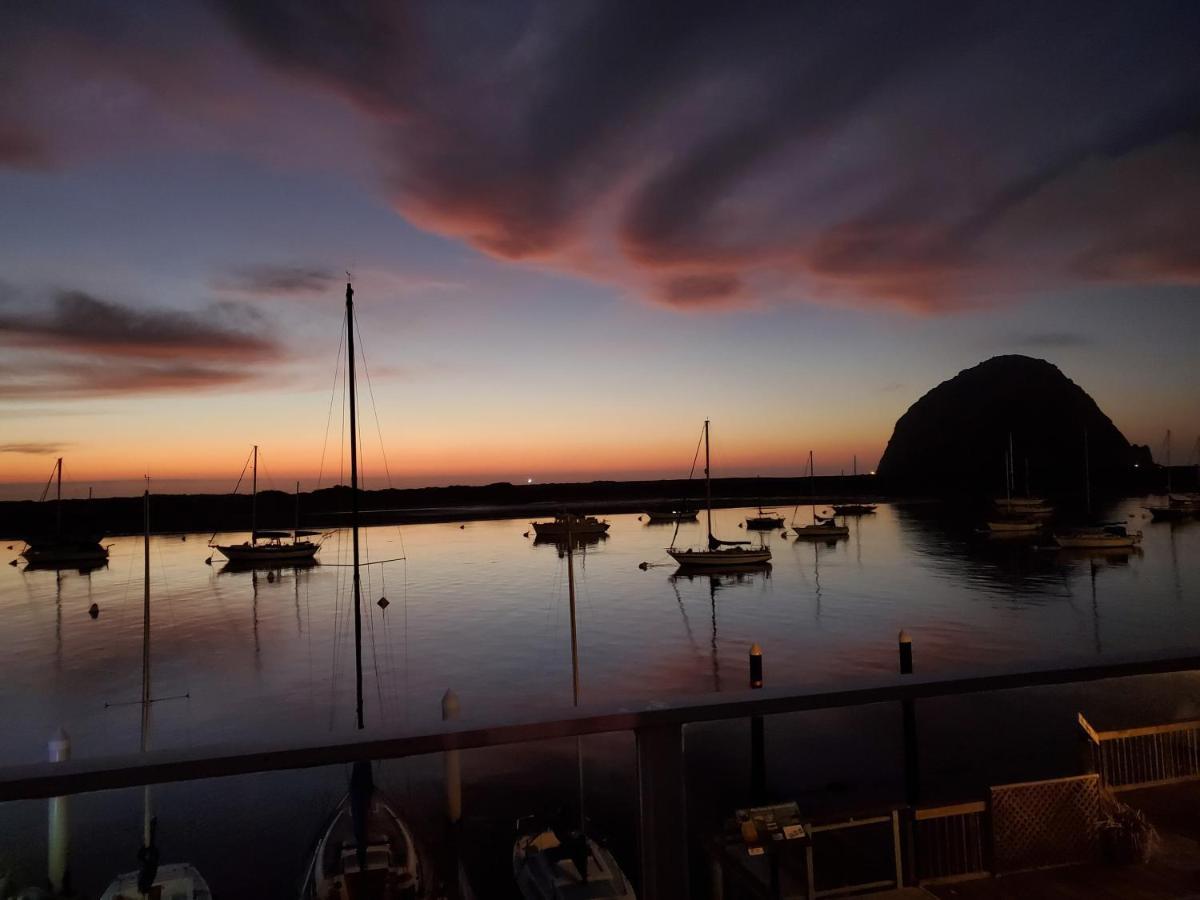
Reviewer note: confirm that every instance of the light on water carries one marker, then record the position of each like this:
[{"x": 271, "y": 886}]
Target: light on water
[
  {"x": 268, "y": 656},
  {"x": 266, "y": 659}
]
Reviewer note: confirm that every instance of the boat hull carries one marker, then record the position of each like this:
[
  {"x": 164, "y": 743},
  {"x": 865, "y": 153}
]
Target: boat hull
[
  {"x": 541, "y": 875},
  {"x": 854, "y": 509},
  {"x": 764, "y": 523},
  {"x": 821, "y": 531},
  {"x": 684, "y": 516},
  {"x": 173, "y": 880},
  {"x": 267, "y": 554},
  {"x": 1014, "y": 527},
  {"x": 719, "y": 558},
  {"x": 1098, "y": 541},
  {"x": 559, "y": 532},
  {"x": 400, "y": 875},
  {"x": 81, "y": 552}
]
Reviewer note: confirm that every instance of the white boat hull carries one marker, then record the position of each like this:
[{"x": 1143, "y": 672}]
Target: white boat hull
[
  {"x": 177, "y": 881},
  {"x": 394, "y": 866}
]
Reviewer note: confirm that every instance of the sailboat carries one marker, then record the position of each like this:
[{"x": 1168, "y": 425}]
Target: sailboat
[
  {"x": 821, "y": 527},
  {"x": 365, "y": 849},
  {"x": 1105, "y": 536},
  {"x": 1016, "y": 516},
  {"x": 175, "y": 880},
  {"x": 62, "y": 546},
  {"x": 273, "y": 548},
  {"x": 559, "y": 860},
  {"x": 857, "y": 507},
  {"x": 1177, "y": 506},
  {"x": 717, "y": 552}
]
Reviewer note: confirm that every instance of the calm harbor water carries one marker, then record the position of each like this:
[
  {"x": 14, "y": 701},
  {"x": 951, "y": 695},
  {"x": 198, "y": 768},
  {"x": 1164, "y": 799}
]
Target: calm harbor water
[{"x": 267, "y": 658}]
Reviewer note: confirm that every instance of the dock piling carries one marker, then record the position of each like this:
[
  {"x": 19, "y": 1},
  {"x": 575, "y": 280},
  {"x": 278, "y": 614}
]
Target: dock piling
[{"x": 758, "y": 752}]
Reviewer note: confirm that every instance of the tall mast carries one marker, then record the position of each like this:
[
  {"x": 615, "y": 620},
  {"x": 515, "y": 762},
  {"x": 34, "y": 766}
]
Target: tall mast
[
  {"x": 354, "y": 504},
  {"x": 1168, "y": 460},
  {"x": 254, "y": 500},
  {"x": 1008, "y": 470},
  {"x": 707, "y": 484},
  {"x": 575, "y": 666},
  {"x": 1087, "y": 473},
  {"x": 146, "y": 821},
  {"x": 58, "y": 502},
  {"x": 812, "y": 486},
  {"x": 296, "y": 528}
]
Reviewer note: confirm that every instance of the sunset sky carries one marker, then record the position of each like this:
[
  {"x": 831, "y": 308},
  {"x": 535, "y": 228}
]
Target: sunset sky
[{"x": 578, "y": 229}]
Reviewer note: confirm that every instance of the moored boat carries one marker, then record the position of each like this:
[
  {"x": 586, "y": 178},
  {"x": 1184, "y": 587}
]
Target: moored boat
[
  {"x": 717, "y": 553},
  {"x": 275, "y": 546},
  {"x": 766, "y": 520},
  {"x": 366, "y": 849},
  {"x": 78, "y": 547},
  {"x": 659, "y": 516},
  {"x": 854, "y": 509},
  {"x": 1116, "y": 534},
  {"x": 821, "y": 526},
  {"x": 153, "y": 880},
  {"x": 569, "y": 523},
  {"x": 559, "y": 863}
]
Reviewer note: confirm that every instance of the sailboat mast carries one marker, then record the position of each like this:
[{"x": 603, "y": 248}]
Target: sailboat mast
[
  {"x": 254, "y": 500},
  {"x": 146, "y": 821},
  {"x": 58, "y": 502},
  {"x": 1087, "y": 473},
  {"x": 812, "y": 487},
  {"x": 354, "y": 505},
  {"x": 574, "y": 638},
  {"x": 575, "y": 666},
  {"x": 296, "y": 527},
  {"x": 1008, "y": 470},
  {"x": 707, "y": 483},
  {"x": 1168, "y": 460}
]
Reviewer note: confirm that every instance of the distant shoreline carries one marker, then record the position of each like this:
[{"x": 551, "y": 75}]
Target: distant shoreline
[{"x": 329, "y": 507}]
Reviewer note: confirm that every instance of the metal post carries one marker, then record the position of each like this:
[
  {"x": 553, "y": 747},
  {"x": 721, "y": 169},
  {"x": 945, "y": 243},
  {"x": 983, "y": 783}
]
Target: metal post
[
  {"x": 662, "y": 807},
  {"x": 452, "y": 763},
  {"x": 59, "y": 822},
  {"x": 912, "y": 774},
  {"x": 758, "y": 756}
]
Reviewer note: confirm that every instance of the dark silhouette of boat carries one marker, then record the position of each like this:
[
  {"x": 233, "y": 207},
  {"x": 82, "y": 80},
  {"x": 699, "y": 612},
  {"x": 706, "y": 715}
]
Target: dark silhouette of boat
[{"x": 63, "y": 546}]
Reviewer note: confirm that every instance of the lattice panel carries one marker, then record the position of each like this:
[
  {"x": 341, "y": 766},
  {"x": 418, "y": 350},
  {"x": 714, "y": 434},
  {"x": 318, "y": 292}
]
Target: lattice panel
[{"x": 1045, "y": 823}]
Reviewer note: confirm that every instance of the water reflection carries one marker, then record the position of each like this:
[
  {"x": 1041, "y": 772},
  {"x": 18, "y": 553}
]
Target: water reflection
[
  {"x": 717, "y": 581},
  {"x": 578, "y": 542}
]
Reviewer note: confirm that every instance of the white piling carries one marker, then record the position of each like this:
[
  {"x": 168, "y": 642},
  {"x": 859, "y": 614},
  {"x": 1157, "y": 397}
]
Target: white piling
[
  {"x": 452, "y": 762},
  {"x": 60, "y": 820}
]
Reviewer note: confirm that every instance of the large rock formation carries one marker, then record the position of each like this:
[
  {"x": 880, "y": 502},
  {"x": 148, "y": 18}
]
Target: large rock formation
[{"x": 955, "y": 438}]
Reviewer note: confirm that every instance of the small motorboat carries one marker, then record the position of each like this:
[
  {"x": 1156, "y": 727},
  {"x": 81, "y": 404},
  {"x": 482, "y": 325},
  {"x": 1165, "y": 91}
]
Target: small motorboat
[
  {"x": 854, "y": 509},
  {"x": 766, "y": 520},
  {"x": 570, "y": 524},
  {"x": 821, "y": 528},
  {"x": 659, "y": 516}
]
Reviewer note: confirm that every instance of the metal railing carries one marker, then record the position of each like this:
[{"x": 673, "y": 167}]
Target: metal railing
[
  {"x": 1150, "y": 756},
  {"x": 658, "y": 729}
]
